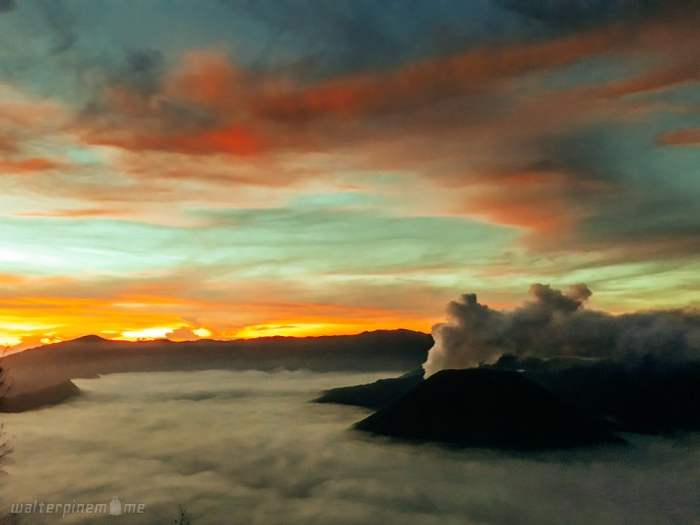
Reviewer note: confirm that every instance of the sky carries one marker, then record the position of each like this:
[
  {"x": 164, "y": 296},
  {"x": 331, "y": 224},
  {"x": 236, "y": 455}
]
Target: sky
[{"x": 230, "y": 168}]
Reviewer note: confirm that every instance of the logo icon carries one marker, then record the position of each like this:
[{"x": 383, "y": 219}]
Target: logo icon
[{"x": 115, "y": 507}]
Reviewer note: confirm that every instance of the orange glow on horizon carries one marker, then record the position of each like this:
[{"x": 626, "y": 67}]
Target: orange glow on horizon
[
  {"x": 309, "y": 328},
  {"x": 13, "y": 343},
  {"x": 123, "y": 325},
  {"x": 158, "y": 332}
]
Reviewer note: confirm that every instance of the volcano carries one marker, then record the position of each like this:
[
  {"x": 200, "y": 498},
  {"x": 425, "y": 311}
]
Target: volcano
[{"x": 487, "y": 408}]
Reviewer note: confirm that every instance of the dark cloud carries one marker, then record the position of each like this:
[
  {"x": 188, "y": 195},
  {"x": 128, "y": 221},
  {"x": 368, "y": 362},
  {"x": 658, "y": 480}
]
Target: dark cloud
[
  {"x": 555, "y": 324},
  {"x": 341, "y": 36},
  {"x": 7, "y": 5},
  {"x": 61, "y": 22},
  {"x": 560, "y": 148},
  {"x": 141, "y": 69},
  {"x": 681, "y": 137},
  {"x": 384, "y": 76},
  {"x": 600, "y": 192},
  {"x": 576, "y": 13},
  {"x": 348, "y": 36},
  {"x": 251, "y": 112}
]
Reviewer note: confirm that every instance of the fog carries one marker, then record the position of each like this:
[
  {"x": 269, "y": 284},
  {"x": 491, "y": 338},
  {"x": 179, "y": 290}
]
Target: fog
[{"x": 249, "y": 448}]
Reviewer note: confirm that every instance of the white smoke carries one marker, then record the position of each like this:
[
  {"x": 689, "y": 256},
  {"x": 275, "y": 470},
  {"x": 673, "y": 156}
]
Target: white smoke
[{"x": 555, "y": 323}]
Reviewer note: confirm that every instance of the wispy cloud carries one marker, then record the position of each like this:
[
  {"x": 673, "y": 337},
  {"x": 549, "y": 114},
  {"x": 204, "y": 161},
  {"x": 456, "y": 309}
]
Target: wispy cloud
[{"x": 450, "y": 143}]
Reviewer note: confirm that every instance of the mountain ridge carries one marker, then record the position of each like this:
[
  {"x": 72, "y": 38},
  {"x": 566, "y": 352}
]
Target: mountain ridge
[{"x": 39, "y": 368}]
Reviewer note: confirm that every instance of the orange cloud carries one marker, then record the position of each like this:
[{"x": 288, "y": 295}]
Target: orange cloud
[
  {"x": 7, "y": 279},
  {"x": 22, "y": 117},
  {"x": 207, "y": 105},
  {"x": 18, "y": 111},
  {"x": 426, "y": 82},
  {"x": 420, "y": 84},
  {"x": 74, "y": 213},
  {"x": 683, "y": 137},
  {"x": 542, "y": 200},
  {"x": 7, "y": 145},
  {"x": 199, "y": 108},
  {"x": 30, "y": 165},
  {"x": 234, "y": 140},
  {"x": 685, "y": 72},
  {"x": 442, "y": 118},
  {"x": 208, "y": 78}
]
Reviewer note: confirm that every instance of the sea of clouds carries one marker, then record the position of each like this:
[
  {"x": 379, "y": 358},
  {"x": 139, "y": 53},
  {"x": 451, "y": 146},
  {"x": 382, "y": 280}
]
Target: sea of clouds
[{"x": 250, "y": 448}]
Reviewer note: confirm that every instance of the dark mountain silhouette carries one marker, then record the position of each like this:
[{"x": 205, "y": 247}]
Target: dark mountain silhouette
[
  {"x": 48, "y": 369},
  {"x": 41, "y": 397},
  {"x": 89, "y": 339},
  {"x": 373, "y": 395},
  {"x": 487, "y": 408},
  {"x": 649, "y": 396}
]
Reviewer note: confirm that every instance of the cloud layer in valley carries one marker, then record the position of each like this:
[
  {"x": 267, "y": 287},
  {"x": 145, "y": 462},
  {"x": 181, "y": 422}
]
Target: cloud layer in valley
[{"x": 248, "y": 447}]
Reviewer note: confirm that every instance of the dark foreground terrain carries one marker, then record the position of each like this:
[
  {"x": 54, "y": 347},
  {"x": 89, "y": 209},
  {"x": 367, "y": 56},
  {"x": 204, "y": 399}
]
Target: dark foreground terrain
[
  {"x": 532, "y": 403},
  {"x": 488, "y": 408}
]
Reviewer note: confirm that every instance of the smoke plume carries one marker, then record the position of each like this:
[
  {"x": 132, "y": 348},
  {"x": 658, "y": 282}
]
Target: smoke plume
[{"x": 555, "y": 323}]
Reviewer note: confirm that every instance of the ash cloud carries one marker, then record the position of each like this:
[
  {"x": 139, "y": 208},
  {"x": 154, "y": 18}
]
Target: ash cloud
[{"x": 555, "y": 323}]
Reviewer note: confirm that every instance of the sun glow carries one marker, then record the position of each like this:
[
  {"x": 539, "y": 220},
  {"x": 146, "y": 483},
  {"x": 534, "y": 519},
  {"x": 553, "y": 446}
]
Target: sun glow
[
  {"x": 9, "y": 340},
  {"x": 202, "y": 332},
  {"x": 156, "y": 332}
]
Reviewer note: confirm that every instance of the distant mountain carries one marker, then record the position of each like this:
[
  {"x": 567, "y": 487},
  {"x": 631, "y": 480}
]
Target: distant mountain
[
  {"x": 33, "y": 371},
  {"x": 90, "y": 339},
  {"x": 487, "y": 408}
]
